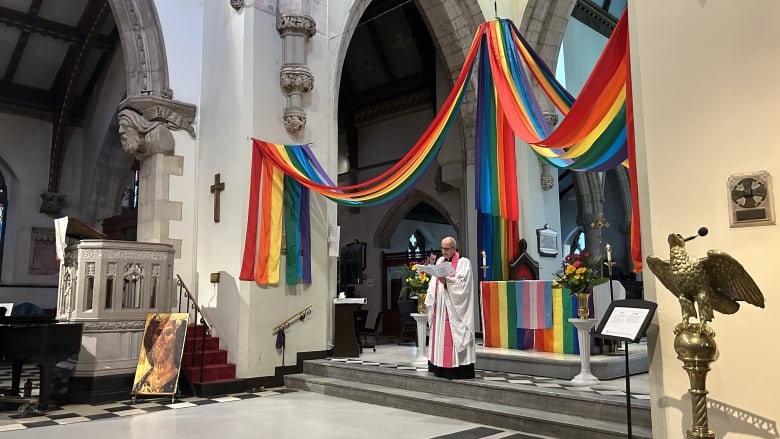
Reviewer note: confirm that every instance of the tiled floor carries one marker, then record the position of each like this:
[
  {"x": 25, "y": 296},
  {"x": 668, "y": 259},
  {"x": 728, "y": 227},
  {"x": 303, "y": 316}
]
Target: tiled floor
[{"x": 288, "y": 414}]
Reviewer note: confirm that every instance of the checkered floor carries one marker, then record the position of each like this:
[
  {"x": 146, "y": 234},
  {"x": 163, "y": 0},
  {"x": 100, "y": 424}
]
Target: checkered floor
[
  {"x": 512, "y": 379},
  {"x": 15, "y": 419}
]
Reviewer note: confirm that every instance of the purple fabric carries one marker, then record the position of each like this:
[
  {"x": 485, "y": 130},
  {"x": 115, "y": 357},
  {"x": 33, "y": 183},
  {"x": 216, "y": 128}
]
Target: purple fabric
[{"x": 305, "y": 225}]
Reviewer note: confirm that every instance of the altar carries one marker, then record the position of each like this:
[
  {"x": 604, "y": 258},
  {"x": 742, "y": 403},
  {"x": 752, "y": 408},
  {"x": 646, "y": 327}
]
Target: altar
[{"x": 533, "y": 314}]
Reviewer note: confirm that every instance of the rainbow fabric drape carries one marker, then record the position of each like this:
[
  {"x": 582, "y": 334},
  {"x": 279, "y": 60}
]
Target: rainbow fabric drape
[
  {"x": 529, "y": 315},
  {"x": 591, "y": 136}
]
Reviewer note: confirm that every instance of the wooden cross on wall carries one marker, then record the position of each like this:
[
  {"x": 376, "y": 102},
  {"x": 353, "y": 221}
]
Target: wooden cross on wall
[{"x": 216, "y": 188}]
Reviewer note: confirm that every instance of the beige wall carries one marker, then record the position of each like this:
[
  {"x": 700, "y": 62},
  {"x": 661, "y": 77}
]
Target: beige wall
[{"x": 705, "y": 85}]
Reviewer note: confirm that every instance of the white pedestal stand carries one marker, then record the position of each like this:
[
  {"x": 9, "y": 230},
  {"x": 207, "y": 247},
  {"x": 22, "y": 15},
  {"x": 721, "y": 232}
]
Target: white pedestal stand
[
  {"x": 422, "y": 329},
  {"x": 584, "y": 378}
]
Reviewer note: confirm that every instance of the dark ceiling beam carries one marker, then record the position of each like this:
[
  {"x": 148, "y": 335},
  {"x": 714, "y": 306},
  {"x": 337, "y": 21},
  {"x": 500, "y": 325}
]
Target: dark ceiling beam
[
  {"x": 90, "y": 22},
  {"x": 24, "y": 95},
  {"x": 21, "y": 43},
  {"x": 33, "y": 24}
]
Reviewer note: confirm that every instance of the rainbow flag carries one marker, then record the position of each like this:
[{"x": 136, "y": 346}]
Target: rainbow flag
[{"x": 529, "y": 315}]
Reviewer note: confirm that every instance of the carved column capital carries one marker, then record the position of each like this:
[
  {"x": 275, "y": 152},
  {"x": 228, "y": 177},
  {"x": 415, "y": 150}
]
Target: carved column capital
[
  {"x": 294, "y": 119},
  {"x": 145, "y": 124},
  {"x": 296, "y": 24},
  {"x": 551, "y": 118},
  {"x": 51, "y": 203},
  {"x": 296, "y": 79},
  {"x": 237, "y": 4},
  {"x": 176, "y": 115}
]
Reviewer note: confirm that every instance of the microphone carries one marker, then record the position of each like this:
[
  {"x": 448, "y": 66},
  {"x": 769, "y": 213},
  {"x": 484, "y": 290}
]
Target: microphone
[{"x": 701, "y": 232}]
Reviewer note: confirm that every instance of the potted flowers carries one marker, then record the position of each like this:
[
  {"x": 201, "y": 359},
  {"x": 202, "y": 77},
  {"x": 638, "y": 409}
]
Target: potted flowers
[{"x": 579, "y": 274}]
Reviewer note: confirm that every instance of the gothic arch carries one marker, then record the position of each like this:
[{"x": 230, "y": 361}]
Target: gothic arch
[
  {"x": 452, "y": 24},
  {"x": 142, "y": 43},
  {"x": 396, "y": 213}
]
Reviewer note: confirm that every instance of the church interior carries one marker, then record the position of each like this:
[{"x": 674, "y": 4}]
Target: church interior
[{"x": 271, "y": 171}]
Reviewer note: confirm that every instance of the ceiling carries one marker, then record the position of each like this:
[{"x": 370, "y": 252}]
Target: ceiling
[{"x": 52, "y": 53}]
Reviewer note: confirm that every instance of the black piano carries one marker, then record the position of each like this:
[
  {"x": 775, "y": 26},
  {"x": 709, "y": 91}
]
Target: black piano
[{"x": 41, "y": 340}]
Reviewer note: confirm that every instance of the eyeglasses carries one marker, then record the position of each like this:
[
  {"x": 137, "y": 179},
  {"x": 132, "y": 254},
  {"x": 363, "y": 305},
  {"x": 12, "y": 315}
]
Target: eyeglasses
[{"x": 447, "y": 248}]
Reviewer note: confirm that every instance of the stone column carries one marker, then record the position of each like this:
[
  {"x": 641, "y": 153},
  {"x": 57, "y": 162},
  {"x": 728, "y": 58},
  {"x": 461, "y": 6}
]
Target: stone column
[
  {"x": 546, "y": 180},
  {"x": 296, "y": 27},
  {"x": 145, "y": 124}
]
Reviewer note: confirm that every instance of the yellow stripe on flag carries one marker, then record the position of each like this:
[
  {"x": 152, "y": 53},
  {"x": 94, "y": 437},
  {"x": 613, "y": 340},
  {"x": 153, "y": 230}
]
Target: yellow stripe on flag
[
  {"x": 503, "y": 323},
  {"x": 277, "y": 197},
  {"x": 557, "y": 311}
]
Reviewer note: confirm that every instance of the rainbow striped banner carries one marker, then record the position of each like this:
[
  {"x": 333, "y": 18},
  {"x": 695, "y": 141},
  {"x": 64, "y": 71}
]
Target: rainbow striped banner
[
  {"x": 592, "y": 135},
  {"x": 529, "y": 315}
]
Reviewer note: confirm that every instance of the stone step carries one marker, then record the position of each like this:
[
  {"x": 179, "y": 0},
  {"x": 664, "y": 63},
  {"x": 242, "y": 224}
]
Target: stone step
[
  {"x": 530, "y": 420},
  {"x": 584, "y": 404}
]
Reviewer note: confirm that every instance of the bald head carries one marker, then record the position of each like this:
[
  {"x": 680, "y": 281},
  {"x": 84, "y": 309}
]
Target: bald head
[{"x": 448, "y": 246}]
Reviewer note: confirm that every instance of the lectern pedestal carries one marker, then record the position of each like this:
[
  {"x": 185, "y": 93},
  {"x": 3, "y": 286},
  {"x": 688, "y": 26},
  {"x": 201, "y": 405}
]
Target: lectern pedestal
[{"x": 346, "y": 340}]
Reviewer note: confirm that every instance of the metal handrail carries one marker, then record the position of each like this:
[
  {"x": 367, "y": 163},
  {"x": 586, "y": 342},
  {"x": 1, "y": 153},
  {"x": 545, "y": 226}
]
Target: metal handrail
[
  {"x": 300, "y": 315},
  {"x": 194, "y": 305}
]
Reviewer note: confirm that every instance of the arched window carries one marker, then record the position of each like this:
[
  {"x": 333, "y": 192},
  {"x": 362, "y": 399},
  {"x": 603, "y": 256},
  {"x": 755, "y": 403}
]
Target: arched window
[{"x": 3, "y": 213}]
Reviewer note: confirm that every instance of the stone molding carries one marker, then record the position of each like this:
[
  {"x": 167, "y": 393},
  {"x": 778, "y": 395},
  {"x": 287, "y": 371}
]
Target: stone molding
[
  {"x": 124, "y": 325},
  {"x": 144, "y": 48}
]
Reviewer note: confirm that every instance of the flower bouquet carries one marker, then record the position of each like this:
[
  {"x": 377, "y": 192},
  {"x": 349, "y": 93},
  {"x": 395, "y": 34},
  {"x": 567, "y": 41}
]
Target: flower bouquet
[
  {"x": 580, "y": 273},
  {"x": 414, "y": 282}
]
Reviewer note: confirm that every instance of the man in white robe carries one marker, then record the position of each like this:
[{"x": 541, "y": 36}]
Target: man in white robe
[{"x": 450, "y": 305}]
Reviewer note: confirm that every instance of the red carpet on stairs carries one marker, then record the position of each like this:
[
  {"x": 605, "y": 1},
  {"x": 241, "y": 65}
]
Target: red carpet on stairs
[{"x": 215, "y": 366}]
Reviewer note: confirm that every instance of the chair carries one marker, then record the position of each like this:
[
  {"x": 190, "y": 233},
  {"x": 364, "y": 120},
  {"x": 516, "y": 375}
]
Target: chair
[
  {"x": 408, "y": 323},
  {"x": 372, "y": 331}
]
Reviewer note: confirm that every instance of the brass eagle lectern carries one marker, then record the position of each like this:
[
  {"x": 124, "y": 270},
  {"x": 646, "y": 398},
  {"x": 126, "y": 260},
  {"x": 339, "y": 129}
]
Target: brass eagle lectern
[{"x": 714, "y": 283}]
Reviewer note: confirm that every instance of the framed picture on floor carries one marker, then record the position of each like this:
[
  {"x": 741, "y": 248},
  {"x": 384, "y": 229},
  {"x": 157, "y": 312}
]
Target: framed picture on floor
[{"x": 162, "y": 347}]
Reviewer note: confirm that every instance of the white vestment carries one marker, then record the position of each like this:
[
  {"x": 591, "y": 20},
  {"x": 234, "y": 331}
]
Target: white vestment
[{"x": 456, "y": 304}]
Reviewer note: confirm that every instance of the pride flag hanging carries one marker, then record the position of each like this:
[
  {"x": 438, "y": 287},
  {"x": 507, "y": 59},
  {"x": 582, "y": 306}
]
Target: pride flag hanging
[{"x": 592, "y": 135}]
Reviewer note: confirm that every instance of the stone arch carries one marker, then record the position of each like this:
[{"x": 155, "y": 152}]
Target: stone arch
[
  {"x": 386, "y": 228},
  {"x": 144, "y": 49},
  {"x": 452, "y": 24}
]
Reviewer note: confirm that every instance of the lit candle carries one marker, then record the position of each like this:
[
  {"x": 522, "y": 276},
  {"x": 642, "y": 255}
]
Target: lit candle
[
  {"x": 609, "y": 253},
  {"x": 484, "y": 259}
]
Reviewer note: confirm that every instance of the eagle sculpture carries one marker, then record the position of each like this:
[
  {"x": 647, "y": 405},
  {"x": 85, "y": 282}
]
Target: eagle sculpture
[{"x": 716, "y": 282}]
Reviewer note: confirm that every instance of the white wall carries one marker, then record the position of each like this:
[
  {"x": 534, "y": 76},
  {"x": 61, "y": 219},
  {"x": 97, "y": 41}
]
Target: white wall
[
  {"x": 24, "y": 156},
  {"x": 705, "y": 89}
]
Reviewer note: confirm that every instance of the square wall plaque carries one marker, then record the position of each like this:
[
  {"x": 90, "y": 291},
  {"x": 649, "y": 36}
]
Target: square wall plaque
[{"x": 750, "y": 199}]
